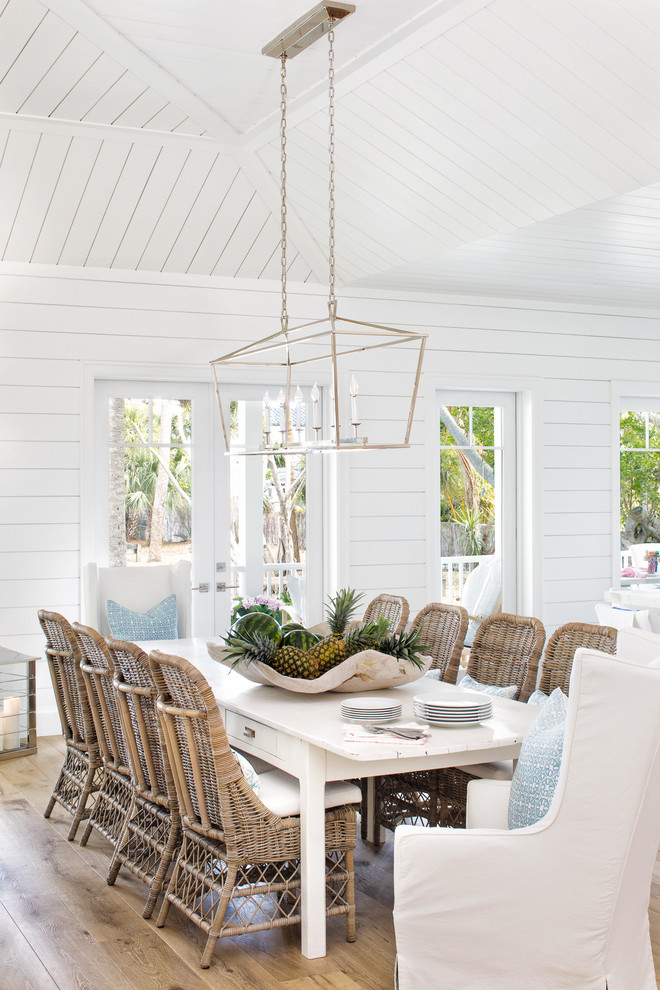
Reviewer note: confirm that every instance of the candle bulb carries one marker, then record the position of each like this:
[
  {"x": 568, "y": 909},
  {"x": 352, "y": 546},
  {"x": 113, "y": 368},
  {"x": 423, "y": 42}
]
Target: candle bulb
[
  {"x": 354, "y": 389},
  {"x": 314, "y": 396},
  {"x": 266, "y": 401},
  {"x": 281, "y": 401},
  {"x": 10, "y": 713}
]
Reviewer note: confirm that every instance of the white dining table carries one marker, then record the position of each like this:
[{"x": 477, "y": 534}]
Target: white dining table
[{"x": 304, "y": 735}]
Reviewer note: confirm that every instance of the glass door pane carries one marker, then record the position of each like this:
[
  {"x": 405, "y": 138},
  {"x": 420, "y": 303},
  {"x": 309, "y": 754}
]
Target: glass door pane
[
  {"x": 154, "y": 499},
  {"x": 477, "y": 495},
  {"x": 268, "y": 513}
]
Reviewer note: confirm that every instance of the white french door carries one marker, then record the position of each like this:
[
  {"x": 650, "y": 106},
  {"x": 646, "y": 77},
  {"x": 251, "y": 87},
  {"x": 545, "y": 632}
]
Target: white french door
[
  {"x": 221, "y": 510},
  {"x": 185, "y": 456}
]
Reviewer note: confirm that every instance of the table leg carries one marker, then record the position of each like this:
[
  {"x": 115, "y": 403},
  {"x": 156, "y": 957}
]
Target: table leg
[{"x": 312, "y": 827}]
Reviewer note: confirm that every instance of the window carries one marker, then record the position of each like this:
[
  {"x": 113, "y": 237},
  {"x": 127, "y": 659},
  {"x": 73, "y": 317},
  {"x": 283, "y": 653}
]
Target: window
[{"x": 639, "y": 446}]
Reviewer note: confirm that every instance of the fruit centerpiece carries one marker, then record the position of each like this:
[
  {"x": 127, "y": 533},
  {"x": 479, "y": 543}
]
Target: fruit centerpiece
[{"x": 352, "y": 657}]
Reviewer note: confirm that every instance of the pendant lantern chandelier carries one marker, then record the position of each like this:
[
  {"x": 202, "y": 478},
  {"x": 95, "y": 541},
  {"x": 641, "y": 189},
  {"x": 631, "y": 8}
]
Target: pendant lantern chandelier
[{"x": 327, "y": 352}]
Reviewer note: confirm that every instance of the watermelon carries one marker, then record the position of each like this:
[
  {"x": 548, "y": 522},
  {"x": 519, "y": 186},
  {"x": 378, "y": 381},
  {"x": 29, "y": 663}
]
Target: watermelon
[
  {"x": 302, "y": 639},
  {"x": 258, "y": 622},
  {"x": 288, "y": 626}
]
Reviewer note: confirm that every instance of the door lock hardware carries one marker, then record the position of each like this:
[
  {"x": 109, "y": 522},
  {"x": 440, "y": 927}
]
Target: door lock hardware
[
  {"x": 221, "y": 566},
  {"x": 200, "y": 587},
  {"x": 222, "y": 586}
]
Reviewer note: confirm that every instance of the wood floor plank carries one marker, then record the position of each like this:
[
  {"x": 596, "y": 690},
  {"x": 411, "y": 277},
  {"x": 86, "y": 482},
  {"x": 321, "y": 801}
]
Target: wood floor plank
[
  {"x": 21, "y": 967},
  {"x": 63, "y": 928}
]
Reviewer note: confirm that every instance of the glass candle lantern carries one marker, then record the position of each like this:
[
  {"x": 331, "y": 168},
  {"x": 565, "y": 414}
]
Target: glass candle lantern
[{"x": 18, "y": 715}]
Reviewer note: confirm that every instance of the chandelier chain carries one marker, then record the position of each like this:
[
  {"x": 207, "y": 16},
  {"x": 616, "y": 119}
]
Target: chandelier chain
[
  {"x": 332, "y": 300},
  {"x": 283, "y": 102}
]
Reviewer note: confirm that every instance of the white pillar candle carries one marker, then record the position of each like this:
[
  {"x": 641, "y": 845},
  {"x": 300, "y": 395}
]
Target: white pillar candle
[
  {"x": 266, "y": 401},
  {"x": 281, "y": 401},
  {"x": 354, "y": 389},
  {"x": 314, "y": 396},
  {"x": 11, "y": 733},
  {"x": 299, "y": 399}
]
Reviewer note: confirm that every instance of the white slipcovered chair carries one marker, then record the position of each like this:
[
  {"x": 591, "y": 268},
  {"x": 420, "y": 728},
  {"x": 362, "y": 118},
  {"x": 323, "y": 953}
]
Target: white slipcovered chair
[
  {"x": 562, "y": 904},
  {"x": 482, "y": 594},
  {"x": 138, "y": 588}
]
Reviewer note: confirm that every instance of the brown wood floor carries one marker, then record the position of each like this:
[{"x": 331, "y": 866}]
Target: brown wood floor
[{"x": 62, "y": 927}]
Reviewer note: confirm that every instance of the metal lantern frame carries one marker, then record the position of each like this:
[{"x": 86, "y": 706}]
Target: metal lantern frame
[
  {"x": 339, "y": 338},
  {"x": 335, "y": 336}
]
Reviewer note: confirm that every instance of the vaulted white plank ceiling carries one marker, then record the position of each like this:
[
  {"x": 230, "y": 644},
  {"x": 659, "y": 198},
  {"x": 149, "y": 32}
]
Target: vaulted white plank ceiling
[{"x": 483, "y": 146}]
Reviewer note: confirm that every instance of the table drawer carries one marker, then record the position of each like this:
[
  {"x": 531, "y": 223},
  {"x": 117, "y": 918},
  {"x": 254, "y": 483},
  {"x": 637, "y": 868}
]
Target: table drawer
[{"x": 247, "y": 731}]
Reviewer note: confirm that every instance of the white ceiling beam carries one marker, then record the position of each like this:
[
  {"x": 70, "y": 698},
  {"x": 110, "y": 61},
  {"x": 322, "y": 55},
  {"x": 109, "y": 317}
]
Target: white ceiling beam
[
  {"x": 437, "y": 19},
  {"x": 114, "y": 44},
  {"x": 112, "y": 132}
]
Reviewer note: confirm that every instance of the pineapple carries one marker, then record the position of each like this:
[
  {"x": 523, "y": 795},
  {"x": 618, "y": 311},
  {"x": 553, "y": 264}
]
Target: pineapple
[
  {"x": 331, "y": 651},
  {"x": 403, "y": 646},
  {"x": 327, "y": 654},
  {"x": 293, "y": 662},
  {"x": 341, "y": 609},
  {"x": 245, "y": 648}
]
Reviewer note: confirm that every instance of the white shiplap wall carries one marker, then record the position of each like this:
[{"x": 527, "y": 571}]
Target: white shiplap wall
[{"x": 52, "y": 320}]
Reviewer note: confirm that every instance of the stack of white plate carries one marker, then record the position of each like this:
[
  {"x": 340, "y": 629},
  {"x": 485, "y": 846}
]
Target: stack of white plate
[
  {"x": 468, "y": 708},
  {"x": 369, "y": 709}
]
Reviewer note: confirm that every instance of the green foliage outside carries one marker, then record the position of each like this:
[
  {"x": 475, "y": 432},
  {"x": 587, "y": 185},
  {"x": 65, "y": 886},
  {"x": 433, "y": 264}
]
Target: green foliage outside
[
  {"x": 141, "y": 466},
  {"x": 467, "y": 497},
  {"x": 639, "y": 473}
]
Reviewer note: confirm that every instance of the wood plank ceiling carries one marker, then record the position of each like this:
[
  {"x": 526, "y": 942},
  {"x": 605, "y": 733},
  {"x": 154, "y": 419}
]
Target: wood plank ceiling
[{"x": 483, "y": 146}]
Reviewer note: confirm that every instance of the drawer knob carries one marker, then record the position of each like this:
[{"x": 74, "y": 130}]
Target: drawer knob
[{"x": 247, "y": 731}]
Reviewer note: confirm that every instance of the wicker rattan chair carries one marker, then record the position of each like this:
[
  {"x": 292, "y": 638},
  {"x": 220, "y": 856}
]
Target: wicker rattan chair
[
  {"x": 560, "y": 650},
  {"x": 506, "y": 650},
  {"x": 115, "y": 801},
  {"x": 82, "y": 770},
  {"x": 238, "y": 869},
  {"x": 394, "y": 608},
  {"x": 442, "y": 631},
  {"x": 152, "y": 834}
]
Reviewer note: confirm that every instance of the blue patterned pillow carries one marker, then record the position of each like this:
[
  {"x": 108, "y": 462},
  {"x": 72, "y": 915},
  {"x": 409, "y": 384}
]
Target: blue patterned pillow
[
  {"x": 158, "y": 623},
  {"x": 535, "y": 777},
  {"x": 537, "y": 698},
  {"x": 249, "y": 772},
  {"x": 498, "y": 692}
]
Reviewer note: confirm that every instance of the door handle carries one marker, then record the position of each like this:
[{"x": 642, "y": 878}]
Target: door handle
[
  {"x": 200, "y": 587},
  {"x": 221, "y": 586}
]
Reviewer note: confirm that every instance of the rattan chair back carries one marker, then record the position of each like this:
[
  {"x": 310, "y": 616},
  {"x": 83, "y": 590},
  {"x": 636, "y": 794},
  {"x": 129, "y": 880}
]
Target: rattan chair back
[
  {"x": 394, "y": 608},
  {"x": 99, "y": 671},
  {"x": 136, "y": 697},
  {"x": 442, "y": 630},
  {"x": 214, "y": 797},
  {"x": 64, "y": 658},
  {"x": 560, "y": 650},
  {"x": 506, "y": 650}
]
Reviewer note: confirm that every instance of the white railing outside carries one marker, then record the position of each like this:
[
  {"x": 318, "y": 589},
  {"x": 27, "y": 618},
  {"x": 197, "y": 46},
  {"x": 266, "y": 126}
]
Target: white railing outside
[
  {"x": 453, "y": 574},
  {"x": 626, "y": 559},
  {"x": 275, "y": 576}
]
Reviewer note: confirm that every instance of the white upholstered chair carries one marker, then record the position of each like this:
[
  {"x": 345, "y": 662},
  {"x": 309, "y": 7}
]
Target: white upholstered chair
[
  {"x": 562, "y": 903},
  {"x": 482, "y": 594},
  {"x": 138, "y": 588}
]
